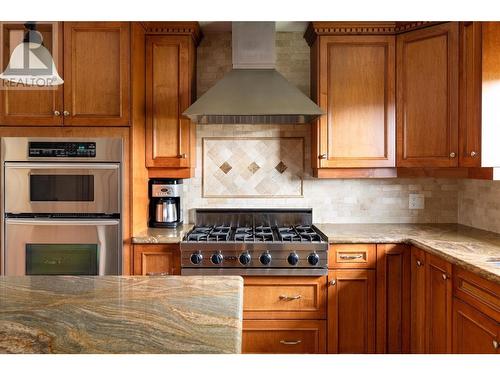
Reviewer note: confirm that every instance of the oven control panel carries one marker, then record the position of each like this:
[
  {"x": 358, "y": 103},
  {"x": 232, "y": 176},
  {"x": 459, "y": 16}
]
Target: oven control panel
[{"x": 62, "y": 149}]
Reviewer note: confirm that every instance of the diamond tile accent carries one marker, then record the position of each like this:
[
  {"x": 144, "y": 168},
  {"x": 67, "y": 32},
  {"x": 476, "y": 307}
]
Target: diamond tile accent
[
  {"x": 261, "y": 167},
  {"x": 225, "y": 167},
  {"x": 254, "y": 167},
  {"x": 281, "y": 167}
]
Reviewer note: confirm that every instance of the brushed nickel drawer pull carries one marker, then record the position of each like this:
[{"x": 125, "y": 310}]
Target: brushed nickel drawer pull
[
  {"x": 286, "y": 342},
  {"x": 156, "y": 273},
  {"x": 495, "y": 344},
  {"x": 290, "y": 298},
  {"x": 351, "y": 257}
]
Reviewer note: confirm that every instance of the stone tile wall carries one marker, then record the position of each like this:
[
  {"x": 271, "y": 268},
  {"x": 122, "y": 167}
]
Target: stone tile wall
[{"x": 479, "y": 204}]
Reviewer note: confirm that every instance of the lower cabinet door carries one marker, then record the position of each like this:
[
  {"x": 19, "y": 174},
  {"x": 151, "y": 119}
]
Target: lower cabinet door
[
  {"x": 284, "y": 336},
  {"x": 474, "y": 332},
  {"x": 351, "y": 311},
  {"x": 417, "y": 301},
  {"x": 156, "y": 260}
]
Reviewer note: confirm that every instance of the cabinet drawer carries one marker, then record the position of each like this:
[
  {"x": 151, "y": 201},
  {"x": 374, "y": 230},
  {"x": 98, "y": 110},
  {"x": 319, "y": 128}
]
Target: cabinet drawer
[
  {"x": 284, "y": 297},
  {"x": 284, "y": 336},
  {"x": 352, "y": 256},
  {"x": 478, "y": 292}
]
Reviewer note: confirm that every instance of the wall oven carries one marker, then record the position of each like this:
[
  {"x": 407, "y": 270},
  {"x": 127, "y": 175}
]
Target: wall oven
[{"x": 62, "y": 206}]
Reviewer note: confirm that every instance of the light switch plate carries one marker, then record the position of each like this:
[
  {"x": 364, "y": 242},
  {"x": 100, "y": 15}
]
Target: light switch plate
[{"x": 416, "y": 202}]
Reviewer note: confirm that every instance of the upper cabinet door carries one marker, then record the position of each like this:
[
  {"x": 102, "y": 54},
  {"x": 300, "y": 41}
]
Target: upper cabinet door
[
  {"x": 470, "y": 94},
  {"x": 27, "y": 106},
  {"x": 356, "y": 90},
  {"x": 427, "y": 97},
  {"x": 169, "y": 76},
  {"x": 97, "y": 73}
]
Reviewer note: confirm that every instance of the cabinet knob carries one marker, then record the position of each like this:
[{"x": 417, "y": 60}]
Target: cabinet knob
[
  {"x": 182, "y": 156},
  {"x": 57, "y": 113},
  {"x": 452, "y": 155},
  {"x": 332, "y": 282},
  {"x": 65, "y": 113},
  {"x": 445, "y": 276},
  {"x": 322, "y": 156},
  {"x": 473, "y": 154},
  {"x": 419, "y": 263},
  {"x": 495, "y": 344}
]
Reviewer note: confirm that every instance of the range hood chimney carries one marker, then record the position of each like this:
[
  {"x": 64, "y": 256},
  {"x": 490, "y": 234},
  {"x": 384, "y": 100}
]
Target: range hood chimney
[{"x": 253, "y": 92}]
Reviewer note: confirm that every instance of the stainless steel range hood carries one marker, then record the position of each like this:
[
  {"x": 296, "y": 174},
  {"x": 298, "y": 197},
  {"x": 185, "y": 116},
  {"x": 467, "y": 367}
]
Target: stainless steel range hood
[{"x": 253, "y": 92}]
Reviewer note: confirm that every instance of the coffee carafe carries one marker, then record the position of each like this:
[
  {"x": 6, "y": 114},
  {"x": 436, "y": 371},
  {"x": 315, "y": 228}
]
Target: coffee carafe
[{"x": 165, "y": 205}]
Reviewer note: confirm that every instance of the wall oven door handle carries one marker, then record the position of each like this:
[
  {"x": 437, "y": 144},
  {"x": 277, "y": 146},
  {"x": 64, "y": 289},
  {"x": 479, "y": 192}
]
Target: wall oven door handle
[
  {"x": 93, "y": 222},
  {"x": 74, "y": 166}
]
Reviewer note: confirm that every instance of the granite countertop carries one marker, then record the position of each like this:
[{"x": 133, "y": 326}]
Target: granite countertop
[
  {"x": 121, "y": 314},
  {"x": 467, "y": 247},
  {"x": 162, "y": 235}
]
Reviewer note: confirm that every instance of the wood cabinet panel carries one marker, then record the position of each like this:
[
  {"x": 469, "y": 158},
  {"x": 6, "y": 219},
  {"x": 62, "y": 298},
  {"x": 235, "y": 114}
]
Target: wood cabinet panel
[
  {"x": 24, "y": 106},
  {"x": 351, "y": 311},
  {"x": 474, "y": 332},
  {"x": 427, "y": 97},
  {"x": 97, "y": 73},
  {"x": 352, "y": 256},
  {"x": 156, "y": 260},
  {"x": 417, "y": 301},
  {"x": 169, "y": 81},
  {"x": 284, "y": 297},
  {"x": 438, "y": 305},
  {"x": 393, "y": 298},
  {"x": 356, "y": 90},
  {"x": 469, "y": 136},
  {"x": 284, "y": 336}
]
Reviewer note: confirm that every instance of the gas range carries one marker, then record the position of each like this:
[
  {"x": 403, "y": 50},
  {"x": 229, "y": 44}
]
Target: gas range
[{"x": 254, "y": 242}]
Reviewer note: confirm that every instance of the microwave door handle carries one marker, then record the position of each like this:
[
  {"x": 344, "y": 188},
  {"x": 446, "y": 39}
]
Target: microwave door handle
[
  {"x": 73, "y": 166},
  {"x": 95, "y": 222}
]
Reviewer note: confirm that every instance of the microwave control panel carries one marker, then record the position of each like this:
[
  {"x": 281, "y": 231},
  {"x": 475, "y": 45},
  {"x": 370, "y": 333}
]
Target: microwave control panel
[{"x": 61, "y": 149}]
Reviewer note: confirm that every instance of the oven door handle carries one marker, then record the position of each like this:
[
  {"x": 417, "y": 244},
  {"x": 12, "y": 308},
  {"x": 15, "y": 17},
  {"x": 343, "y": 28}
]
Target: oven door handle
[
  {"x": 76, "y": 165},
  {"x": 92, "y": 222}
]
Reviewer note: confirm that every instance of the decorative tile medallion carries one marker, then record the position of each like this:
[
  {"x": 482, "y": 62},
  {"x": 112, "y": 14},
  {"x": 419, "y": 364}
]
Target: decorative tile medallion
[{"x": 253, "y": 167}]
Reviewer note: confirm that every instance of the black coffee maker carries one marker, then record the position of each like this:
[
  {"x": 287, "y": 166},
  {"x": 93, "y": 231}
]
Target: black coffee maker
[{"x": 165, "y": 203}]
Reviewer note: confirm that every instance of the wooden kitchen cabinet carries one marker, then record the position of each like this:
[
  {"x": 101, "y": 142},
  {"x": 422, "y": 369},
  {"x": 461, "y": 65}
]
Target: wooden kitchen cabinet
[
  {"x": 474, "y": 332},
  {"x": 439, "y": 295},
  {"x": 170, "y": 89},
  {"x": 156, "y": 260},
  {"x": 353, "y": 71},
  {"x": 417, "y": 301},
  {"x": 96, "y": 73},
  {"x": 427, "y": 96},
  {"x": 284, "y": 297},
  {"x": 284, "y": 336},
  {"x": 393, "y": 298},
  {"x": 351, "y": 311},
  {"x": 93, "y": 58},
  {"x": 23, "y": 106}
]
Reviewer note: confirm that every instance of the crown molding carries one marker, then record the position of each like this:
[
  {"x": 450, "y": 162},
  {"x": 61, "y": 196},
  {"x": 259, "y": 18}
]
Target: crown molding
[
  {"x": 178, "y": 28},
  {"x": 315, "y": 29}
]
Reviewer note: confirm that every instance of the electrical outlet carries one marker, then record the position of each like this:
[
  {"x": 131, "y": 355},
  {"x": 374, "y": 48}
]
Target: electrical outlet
[{"x": 416, "y": 202}]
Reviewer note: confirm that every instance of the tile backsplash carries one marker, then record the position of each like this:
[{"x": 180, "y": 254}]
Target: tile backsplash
[{"x": 336, "y": 201}]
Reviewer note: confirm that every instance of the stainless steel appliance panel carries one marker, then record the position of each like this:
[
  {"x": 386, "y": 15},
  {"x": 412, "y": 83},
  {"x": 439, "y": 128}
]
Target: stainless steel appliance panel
[
  {"x": 105, "y": 234},
  {"x": 21, "y": 187}
]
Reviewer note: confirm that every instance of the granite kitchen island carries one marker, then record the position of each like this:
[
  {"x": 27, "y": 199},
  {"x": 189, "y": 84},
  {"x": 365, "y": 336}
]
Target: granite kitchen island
[{"x": 121, "y": 314}]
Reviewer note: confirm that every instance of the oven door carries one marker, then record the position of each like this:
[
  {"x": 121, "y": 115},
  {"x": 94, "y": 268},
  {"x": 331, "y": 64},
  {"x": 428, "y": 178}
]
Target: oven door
[
  {"x": 62, "y": 188},
  {"x": 62, "y": 247}
]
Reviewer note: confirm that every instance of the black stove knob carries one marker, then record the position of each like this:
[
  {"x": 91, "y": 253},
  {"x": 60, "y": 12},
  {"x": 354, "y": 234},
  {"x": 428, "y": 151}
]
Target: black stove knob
[
  {"x": 293, "y": 259},
  {"x": 245, "y": 258},
  {"x": 313, "y": 259},
  {"x": 217, "y": 258},
  {"x": 265, "y": 258},
  {"x": 196, "y": 258}
]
